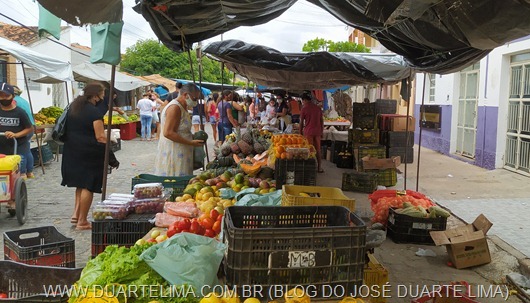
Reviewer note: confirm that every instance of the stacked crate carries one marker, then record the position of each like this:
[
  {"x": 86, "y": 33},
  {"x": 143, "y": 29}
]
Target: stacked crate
[
  {"x": 394, "y": 135},
  {"x": 363, "y": 115},
  {"x": 385, "y": 106}
]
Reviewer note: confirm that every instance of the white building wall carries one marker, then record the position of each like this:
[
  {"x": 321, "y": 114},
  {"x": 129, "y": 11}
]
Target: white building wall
[{"x": 43, "y": 97}]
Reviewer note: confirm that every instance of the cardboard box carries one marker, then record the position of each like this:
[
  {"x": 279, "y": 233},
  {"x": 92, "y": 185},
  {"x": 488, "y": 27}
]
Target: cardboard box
[
  {"x": 466, "y": 245},
  {"x": 399, "y": 124},
  {"x": 375, "y": 163}
]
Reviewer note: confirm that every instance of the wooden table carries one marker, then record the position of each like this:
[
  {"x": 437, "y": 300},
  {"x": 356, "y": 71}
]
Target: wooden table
[{"x": 328, "y": 124}]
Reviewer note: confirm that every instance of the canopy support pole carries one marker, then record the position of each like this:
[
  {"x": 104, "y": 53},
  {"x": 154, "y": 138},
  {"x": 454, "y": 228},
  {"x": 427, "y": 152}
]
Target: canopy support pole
[
  {"x": 41, "y": 163},
  {"x": 109, "y": 132},
  {"x": 409, "y": 94},
  {"x": 67, "y": 97},
  {"x": 199, "y": 60},
  {"x": 421, "y": 129}
]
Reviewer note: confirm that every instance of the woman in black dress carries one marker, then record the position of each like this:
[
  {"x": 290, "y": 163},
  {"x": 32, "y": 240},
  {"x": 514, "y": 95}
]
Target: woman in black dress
[{"x": 84, "y": 152}]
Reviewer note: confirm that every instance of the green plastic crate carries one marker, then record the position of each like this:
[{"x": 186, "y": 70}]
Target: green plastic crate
[
  {"x": 172, "y": 185},
  {"x": 386, "y": 177}
]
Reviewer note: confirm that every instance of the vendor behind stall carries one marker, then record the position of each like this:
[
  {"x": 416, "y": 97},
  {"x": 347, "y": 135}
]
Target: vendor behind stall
[{"x": 282, "y": 113}]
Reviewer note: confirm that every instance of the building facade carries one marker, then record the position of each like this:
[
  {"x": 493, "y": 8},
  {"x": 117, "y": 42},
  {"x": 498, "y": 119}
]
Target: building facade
[{"x": 484, "y": 110}]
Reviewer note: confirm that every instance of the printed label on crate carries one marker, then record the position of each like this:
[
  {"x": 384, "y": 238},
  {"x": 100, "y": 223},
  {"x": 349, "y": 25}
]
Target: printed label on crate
[
  {"x": 417, "y": 225},
  {"x": 289, "y": 178},
  {"x": 300, "y": 259}
]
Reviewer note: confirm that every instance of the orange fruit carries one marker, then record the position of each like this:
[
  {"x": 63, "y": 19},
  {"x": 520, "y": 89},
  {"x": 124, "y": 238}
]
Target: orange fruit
[
  {"x": 283, "y": 141},
  {"x": 284, "y": 155}
]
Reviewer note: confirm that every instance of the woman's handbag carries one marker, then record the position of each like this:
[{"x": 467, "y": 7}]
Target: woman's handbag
[{"x": 59, "y": 130}]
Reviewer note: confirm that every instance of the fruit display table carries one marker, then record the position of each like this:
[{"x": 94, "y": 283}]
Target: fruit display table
[{"x": 128, "y": 130}]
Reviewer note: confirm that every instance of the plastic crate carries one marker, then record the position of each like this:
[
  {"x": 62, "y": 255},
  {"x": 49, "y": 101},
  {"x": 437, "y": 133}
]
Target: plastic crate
[
  {"x": 172, "y": 185},
  {"x": 385, "y": 106},
  {"x": 364, "y": 109},
  {"x": 128, "y": 131},
  {"x": 398, "y": 139},
  {"x": 25, "y": 283},
  {"x": 363, "y": 122},
  {"x": 56, "y": 147},
  {"x": 336, "y": 148},
  {"x": 375, "y": 274},
  {"x": 446, "y": 294},
  {"x": 327, "y": 196},
  {"x": 359, "y": 181},
  {"x": 44, "y": 246},
  {"x": 406, "y": 229},
  {"x": 120, "y": 232},
  {"x": 298, "y": 245},
  {"x": 386, "y": 177},
  {"x": 47, "y": 154},
  {"x": 377, "y": 151},
  {"x": 346, "y": 161},
  {"x": 295, "y": 172},
  {"x": 116, "y": 146},
  {"x": 363, "y": 136},
  {"x": 402, "y": 152}
]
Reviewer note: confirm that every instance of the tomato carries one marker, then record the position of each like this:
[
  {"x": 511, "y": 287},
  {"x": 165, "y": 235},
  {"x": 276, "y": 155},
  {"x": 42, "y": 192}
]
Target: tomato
[
  {"x": 207, "y": 223},
  {"x": 203, "y": 216},
  {"x": 184, "y": 225},
  {"x": 220, "y": 218},
  {"x": 214, "y": 214},
  {"x": 200, "y": 230},
  {"x": 171, "y": 232},
  {"x": 209, "y": 233},
  {"x": 3, "y": 295},
  {"x": 217, "y": 227},
  {"x": 194, "y": 227}
]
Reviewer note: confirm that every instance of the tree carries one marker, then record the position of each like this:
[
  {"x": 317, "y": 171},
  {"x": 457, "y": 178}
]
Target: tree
[
  {"x": 319, "y": 44},
  {"x": 148, "y": 57}
]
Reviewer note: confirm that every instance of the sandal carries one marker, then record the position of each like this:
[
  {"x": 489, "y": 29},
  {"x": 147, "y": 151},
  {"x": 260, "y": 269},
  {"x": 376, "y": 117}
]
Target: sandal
[
  {"x": 84, "y": 227},
  {"x": 73, "y": 221}
]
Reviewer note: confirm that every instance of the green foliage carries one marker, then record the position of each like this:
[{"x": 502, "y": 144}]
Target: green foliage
[
  {"x": 148, "y": 57},
  {"x": 320, "y": 44}
]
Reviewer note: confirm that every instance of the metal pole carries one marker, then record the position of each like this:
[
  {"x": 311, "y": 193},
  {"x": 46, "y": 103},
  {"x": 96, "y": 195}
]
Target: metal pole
[
  {"x": 421, "y": 129},
  {"x": 199, "y": 60},
  {"x": 109, "y": 131},
  {"x": 41, "y": 163},
  {"x": 409, "y": 88},
  {"x": 67, "y": 98}
]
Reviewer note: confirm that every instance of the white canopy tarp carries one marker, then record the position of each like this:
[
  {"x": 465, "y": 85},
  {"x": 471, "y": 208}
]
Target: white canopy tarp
[
  {"x": 49, "y": 66},
  {"x": 86, "y": 72}
]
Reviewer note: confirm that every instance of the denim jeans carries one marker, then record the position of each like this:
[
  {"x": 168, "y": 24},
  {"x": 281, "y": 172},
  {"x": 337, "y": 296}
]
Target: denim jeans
[
  {"x": 26, "y": 165},
  {"x": 146, "y": 126},
  {"x": 224, "y": 130}
]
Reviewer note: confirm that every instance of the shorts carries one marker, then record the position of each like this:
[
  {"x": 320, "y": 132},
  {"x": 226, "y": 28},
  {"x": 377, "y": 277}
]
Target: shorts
[
  {"x": 196, "y": 119},
  {"x": 213, "y": 120}
]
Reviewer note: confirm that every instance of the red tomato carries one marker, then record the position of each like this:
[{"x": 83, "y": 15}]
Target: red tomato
[
  {"x": 194, "y": 227},
  {"x": 203, "y": 216},
  {"x": 171, "y": 232},
  {"x": 219, "y": 218},
  {"x": 3, "y": 295},
  {"x": 214, "y": 214},
  {"x": 217, "y": 227},
  {"x": 207, "y": 223},
  {"x": 184, "y": 225},
  {"x": 209, "y": 233},
  {"x": 200, "y": 230}
]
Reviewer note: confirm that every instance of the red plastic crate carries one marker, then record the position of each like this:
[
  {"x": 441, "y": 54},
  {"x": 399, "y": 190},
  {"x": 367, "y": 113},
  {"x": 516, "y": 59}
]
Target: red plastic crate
[
  {"x": 43, "y": 246},
  {"x": 128, "y": 131}
]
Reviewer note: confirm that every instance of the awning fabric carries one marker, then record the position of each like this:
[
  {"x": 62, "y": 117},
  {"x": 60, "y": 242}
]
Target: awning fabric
[
  {"x": 44, "y": 64},
  {"x": 86, "y": 72},
  {"x": 81, "y": 12},
  {"x": 307, "y": 71}
]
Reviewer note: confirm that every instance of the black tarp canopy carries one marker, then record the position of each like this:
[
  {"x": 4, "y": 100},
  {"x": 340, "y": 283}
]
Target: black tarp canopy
[
  {"x": 436, "y": 36},
  {"x": 300, "y": 71}
]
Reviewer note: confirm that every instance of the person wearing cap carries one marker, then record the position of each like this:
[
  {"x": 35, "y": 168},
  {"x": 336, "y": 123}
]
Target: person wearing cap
[
  {"x": 312, "y": 125},
  {"x": 14, "y": 123},
  {"x": 28, "y": 156}
]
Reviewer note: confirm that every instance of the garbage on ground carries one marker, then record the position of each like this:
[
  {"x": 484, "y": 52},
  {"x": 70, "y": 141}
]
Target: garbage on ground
[{"x": 425, "y": 253}]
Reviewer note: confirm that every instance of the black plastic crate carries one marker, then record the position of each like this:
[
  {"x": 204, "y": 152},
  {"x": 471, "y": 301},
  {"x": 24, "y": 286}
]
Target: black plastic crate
[
  {"x": 346, "y": 159},
  {"x": 44, "y": 246},
  {"x": 359, "y": 182},
  {"x": 406, "y": 229},
  {"x": 386, "y": 177},
  {"x": 47, "y": 154},
  {"x": 397, "y": 139},
  {"x": 363, "y": 122},
  {"x": 376, "y": 151},
  {"x": 25, "y": 283},
  {"x": 336, "y": 148},
  {"x": 295, "y": 172},
  {"x": 402, "y": 152},
  {"x": 385, "y": 106},
  {"x": 120, "y": 232},
  {"x": 116, "y": 146},
  {"x": 296, "y": 245},
  {"x": 325, "y": 145},
  {"x": 364, "y": 109},
  {"x": 363, "y": 136}
]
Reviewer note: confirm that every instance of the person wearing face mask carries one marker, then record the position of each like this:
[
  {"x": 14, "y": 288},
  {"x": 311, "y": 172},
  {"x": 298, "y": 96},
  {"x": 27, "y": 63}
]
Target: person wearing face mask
[
  {"x": 82, "y": 166},
  {"x": 175, "y": 146},
  {"x": 15, "y": 123}
]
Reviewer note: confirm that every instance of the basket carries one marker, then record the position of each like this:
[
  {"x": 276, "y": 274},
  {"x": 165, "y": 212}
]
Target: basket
[
  {"x": 363, "y": 136},
  {"x": 386, "y": 177},
  {"x": 327, "y": 196},
  {"x": 406, "y": 229},
  {"x": 120, "y": 232},
  {"x": 375, "y": 274},
  {"x": 377, "y": 151},
  {"x": 402, "y": 152},
  {"x": 295, "y": 172},
  {"x": 317, "y": 246},
  {"x": 173, "y": 186},
  {"x": 26, "y": 283},
  {"x": 359, "y": 181},
  {"x": 44, "y": 246}
]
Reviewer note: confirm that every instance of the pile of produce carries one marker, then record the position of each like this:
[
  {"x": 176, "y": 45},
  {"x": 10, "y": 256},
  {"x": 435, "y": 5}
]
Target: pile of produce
[
  {"x": 290, "y": 146},
  {"x": 337, "y": 119},
  {"x": 252, "y": 145},
  {"x": 115, "y": 120},
  {"x": 47, "y": 115},
  {"x": 133, "y": 118},
  {"x": 119, "y": 269},
  {"x": 420, "y": 204}
]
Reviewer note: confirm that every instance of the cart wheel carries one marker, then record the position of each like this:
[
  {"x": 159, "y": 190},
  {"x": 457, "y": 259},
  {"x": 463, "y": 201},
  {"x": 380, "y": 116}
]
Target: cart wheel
[
  {"x": 11, "y": 212},
  {"x": 21, "y": 200}
]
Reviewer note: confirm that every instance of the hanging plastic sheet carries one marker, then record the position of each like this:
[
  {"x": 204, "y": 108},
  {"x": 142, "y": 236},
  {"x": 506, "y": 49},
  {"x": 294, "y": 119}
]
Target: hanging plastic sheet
[
  {"x": 49, "y": 23},
  {"x": 106, "y": 40}
]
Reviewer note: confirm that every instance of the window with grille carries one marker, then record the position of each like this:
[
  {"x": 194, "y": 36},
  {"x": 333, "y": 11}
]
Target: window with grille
[
  {"x": 32, "y": 74},
  {"x": 432, "y": 87},
  {"x": 3, "y": 71}
]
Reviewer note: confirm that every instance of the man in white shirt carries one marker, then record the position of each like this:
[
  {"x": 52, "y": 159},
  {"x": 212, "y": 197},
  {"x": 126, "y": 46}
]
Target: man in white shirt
[{"x": 146, "y": 107}]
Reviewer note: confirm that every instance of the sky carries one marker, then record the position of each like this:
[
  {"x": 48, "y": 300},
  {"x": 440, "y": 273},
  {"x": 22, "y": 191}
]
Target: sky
[{"x": 287, "y": 33}]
